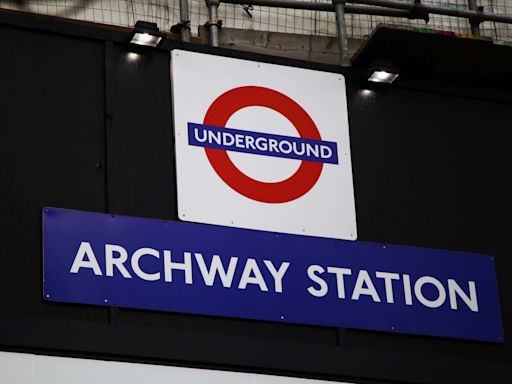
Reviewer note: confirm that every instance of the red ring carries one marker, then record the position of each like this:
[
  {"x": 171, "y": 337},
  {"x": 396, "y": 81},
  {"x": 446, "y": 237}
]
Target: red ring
[{"x": 283, "y": 191}]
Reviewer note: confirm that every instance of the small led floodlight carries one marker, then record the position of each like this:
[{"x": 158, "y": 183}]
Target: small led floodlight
[
  {"x": 383, "y": 77},
  {"x": 147, "y": 34},
  {"x": 382, "y": 71}
]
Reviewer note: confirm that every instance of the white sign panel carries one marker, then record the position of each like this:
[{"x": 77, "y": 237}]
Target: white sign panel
[
  {"x": 262, "y": 146},
  {"x": 23, "y": 368}
]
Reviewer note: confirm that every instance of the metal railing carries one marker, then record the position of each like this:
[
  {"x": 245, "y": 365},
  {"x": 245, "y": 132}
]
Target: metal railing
[
  {"x": 411, "y": 10},
  {"x": 354, "y": 19}
]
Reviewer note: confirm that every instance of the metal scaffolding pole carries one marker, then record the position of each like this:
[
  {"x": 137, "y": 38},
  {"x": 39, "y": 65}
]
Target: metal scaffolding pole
[
  {"x": 213, "y": 23},
  {"x": 339, "y": 6},
  {"x": 184, "y": 21},
  {"x": 475, "y": 25},
  {"x": 410, "y": 10}
]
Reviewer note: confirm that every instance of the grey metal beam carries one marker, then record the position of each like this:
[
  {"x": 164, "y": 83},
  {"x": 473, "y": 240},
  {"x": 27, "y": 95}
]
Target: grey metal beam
[
  {"x": 418, "y": 10},
  {"x": 471, "y": 15},
  {"x": 326, "y": 7}
]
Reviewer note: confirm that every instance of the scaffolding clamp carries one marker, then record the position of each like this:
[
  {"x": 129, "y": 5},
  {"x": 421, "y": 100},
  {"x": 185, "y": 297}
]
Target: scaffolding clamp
[
  {"x": 176, "y": 28},
  {"x": 217, "y": 22}
]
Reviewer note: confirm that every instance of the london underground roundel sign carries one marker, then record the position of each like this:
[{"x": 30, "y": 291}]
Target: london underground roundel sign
[
  {"x": 262, "y": 146},
  {"x": 280, "y": 192}
]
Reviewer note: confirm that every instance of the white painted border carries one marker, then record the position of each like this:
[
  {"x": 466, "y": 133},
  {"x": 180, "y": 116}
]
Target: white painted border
[{"x": 22, "y": 368}]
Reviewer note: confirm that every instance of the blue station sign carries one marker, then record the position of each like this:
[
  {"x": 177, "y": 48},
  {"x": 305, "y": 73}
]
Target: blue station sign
[{"x": 111, "y": 260}]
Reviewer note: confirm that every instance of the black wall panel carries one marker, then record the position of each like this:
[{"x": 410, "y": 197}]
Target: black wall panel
[
  {"x": 139, "y": 133},
  {"x": 87, "y": 124},
  {"x": 52, "y": 146}
]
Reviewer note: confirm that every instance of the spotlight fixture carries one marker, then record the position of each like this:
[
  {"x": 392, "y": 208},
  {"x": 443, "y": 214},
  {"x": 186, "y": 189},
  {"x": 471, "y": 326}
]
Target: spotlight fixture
[
  {"x": 146, "y": 33},
  {"x": 383, "y": 77},
  {"x": 382, "y": 71}
]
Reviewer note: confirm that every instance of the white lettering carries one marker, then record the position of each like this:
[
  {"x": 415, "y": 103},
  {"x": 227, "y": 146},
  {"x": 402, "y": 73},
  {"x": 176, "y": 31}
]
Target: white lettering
[
  {"x": 216, "y": 268},
  {"x": 407, "y": 289},
  {"x": 214, "y": 137},
  {"x": 137, "y": 255},
  {"x": 252, "y": 275},
  {"x": 84, "y": 250},
  {"x": 261, "y": 143},
  {"x": 249, "y": 142},
  {"x": 118, "y": 262},
  {"x": 239, "y": 140},
  {"x": 363, "y": 278},
  {"x": 325, "y": 152},
  {"x": 388, "y": 283},
  {"x": 196, "y": 134},
  {"x": 277, "y": 274},
  {"x": 340, "y": 281},
  {"x": 282, "y": 145},
  {"x": 228, "y": 139},
  {"x": 272, "y": 145},
  {"x": 324, "y": 288},
  {"x": 441, "y": 297},
  {"x": 302, "y": 148},
  {"x": 454, "y": 289},
  {"x": 186, "y": 266},
  {"x": 310, "y": 149}
]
